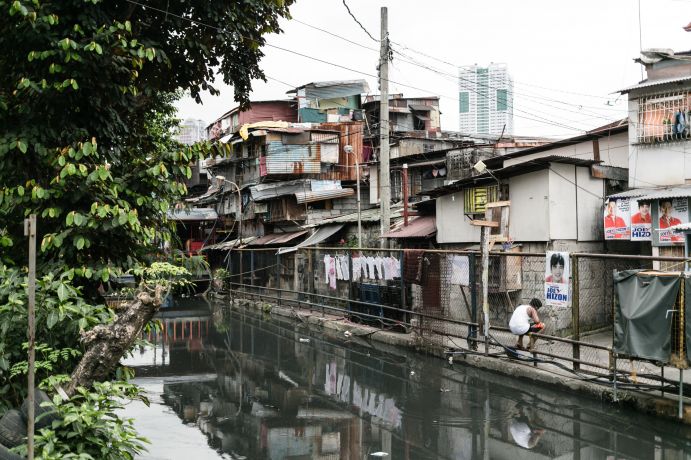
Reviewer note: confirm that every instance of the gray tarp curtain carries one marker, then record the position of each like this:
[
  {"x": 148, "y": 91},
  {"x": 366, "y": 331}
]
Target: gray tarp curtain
[{"x": 642, "y": 326}]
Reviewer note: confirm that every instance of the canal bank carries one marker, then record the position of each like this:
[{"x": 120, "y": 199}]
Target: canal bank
[
  {"x": 237, "y": 383},
  {"x": 523, "y": 366}
]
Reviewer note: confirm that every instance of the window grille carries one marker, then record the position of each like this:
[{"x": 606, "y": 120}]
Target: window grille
[
  {"x": 476, "y": 198},
  {"x": 664, "y": 117}
]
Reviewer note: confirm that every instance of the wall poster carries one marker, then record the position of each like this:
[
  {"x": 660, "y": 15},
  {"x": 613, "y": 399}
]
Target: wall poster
[
  {"x": 672, "y": 211},
  {"x": 557, "y": 273},
  {"x": 641, "y": 220},
  {"x": 616, "y": 219}
]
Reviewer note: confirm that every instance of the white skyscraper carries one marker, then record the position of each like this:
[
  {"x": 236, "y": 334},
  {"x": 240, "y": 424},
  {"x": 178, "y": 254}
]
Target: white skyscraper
[
  {"x": 485, "y": 96},
  {"x": 191, "y": 131}
]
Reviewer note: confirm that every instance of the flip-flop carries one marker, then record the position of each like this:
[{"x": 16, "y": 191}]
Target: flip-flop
[{"x": 519, "y": 347}]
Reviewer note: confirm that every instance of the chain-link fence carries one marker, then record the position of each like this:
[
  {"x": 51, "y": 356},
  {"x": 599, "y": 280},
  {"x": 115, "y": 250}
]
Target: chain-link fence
[{"x": 437, "y": 295}]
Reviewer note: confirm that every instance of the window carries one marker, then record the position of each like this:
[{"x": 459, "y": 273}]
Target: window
[
  {"x": 664, "y": 117},
  {"x": 502, "y": 100},
  {"x": 476, "y": 198},
  {"x": 464, "y": 101}
]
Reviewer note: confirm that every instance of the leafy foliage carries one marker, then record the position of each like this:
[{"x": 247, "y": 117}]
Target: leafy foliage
[
  {"x": 63, "y": 313},
  {"x": 86, "y": 94},
  {"x": 87, "y": 426},
  {"x": 86, "y": 121}
]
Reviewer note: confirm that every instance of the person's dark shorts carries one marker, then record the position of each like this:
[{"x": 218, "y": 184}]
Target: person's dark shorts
[{"x": 536, "y": 327}]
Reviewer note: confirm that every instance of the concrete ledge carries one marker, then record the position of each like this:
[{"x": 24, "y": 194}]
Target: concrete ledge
[{"x": 340, "y": 327}]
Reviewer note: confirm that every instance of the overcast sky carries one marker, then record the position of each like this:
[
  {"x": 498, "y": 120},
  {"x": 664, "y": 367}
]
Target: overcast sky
[{"x": 567, "y": 59}]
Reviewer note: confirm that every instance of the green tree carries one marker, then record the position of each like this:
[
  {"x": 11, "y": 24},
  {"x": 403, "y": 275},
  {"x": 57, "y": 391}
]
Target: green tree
[
  {"x": 86, "y": 93},
  {"x": 87, "y": 89}
]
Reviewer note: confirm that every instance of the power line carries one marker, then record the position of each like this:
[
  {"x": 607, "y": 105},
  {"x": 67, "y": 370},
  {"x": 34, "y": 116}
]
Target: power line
[
  {"x": 538, "y": 119},
  {"x": 358, "y": 22},
  {"x": 455, "y": 79}
]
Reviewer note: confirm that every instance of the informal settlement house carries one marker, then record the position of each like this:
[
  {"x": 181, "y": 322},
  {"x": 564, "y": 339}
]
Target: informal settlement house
[
  {"x": 659, "y": 164},
  {"x": 289, "y": 165},
  {"x": 556, "y": 191}
]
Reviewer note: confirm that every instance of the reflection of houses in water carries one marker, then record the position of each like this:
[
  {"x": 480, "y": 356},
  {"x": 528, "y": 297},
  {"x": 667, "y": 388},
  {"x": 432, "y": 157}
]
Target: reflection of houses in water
[
  {"x": 262, "y": 393},
  {"x": 267, "y": 419},
  {"x": 176, "y": 345}
]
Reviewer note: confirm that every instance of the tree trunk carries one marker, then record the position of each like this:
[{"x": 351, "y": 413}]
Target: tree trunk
[{"x": 106, "y": 345}]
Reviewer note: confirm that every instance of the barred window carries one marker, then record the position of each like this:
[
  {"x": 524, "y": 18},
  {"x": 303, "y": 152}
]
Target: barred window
[{"x": 664, "y": 117}]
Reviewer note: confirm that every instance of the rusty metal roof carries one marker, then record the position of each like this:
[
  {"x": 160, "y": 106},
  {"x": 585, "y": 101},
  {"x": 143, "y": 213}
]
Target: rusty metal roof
[
  {"x": 422, "y": 227},
  {"x": 276, "y": 238}
]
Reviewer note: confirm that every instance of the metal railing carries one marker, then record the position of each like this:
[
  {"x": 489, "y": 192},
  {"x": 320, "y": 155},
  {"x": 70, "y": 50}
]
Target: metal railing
[{"x": 441, "y": 306}]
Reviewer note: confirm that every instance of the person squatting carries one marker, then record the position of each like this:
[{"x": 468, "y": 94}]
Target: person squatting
[{"x": 525, "y": 320}]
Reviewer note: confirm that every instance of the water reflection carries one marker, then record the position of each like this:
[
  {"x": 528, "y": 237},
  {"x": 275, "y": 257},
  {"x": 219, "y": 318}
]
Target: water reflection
[{"x": 262, "y": 388}]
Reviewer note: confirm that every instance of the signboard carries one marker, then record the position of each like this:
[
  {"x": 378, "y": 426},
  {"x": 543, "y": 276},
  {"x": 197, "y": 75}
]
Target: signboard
[
  {"x": 641, "y": 220},
  {"x": 672, "y": 211},
  {"x": 616, "y": 219},
  {"x": 557, "y": 273}
]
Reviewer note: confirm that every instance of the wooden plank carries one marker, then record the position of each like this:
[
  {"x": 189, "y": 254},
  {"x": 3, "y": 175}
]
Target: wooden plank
[
  {"x": 498, "y": 238},
  {"x": 484, "y": 223},
  {"x": 498, "y": 204}
]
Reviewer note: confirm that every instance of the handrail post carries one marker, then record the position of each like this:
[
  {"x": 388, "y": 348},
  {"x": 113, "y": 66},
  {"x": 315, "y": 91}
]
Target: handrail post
[
  {"x": 278, "y": 279},
  {"x": 473, "y": 300},
  {"x": 575, "y": 312}
]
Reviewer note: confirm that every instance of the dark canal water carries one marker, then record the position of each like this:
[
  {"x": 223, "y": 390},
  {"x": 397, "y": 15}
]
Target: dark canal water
[{"x": 236, "y": 385}]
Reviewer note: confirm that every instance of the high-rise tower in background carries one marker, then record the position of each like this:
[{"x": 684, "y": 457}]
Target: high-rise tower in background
[
  {"x": 485, "y": 100},
  {"x": 191, "y": 131}
]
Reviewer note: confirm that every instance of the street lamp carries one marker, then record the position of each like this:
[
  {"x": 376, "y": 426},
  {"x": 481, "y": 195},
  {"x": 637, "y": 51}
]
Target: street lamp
[
  {"x": 348, "y": 150},
  {"x": 239, "y": 213}
]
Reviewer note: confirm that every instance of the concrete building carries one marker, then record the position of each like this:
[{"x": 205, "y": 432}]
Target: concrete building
[
  {"x": 659, "y": 165},
  {"x": 485, "y": 96}
]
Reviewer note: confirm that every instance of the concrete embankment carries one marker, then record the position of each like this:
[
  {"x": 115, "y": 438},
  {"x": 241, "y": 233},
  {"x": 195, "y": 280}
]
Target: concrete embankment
[{"x": 539, "y": 374}]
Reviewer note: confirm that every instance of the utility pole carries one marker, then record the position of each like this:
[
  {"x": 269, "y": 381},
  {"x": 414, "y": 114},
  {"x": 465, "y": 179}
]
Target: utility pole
[
  {"x": 384, "y": 172},
  {"x": 30, "y": 231}
]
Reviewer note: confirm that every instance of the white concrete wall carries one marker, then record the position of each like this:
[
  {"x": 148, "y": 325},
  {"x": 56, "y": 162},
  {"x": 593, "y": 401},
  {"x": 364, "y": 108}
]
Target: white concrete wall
[
  {"x": 589, "y": 197},
  {"x": 613, "y": 151},
  {"x": 529, "y": 218},
  {"x": 452, "y": 225},
  {"x": 654, "y": 165},
  {"x": 562, "y": 202}
]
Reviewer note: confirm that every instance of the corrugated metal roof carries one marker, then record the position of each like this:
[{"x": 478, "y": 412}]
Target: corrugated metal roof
[
  {"x": 191, "y": 214},
  {"x": 334, "y": 89},
  {"x": 421, "y": 107},
  {"x": 367, "y": 215},
  {"x": 276, "y": 238},
  {"x": 232, "y": 244},
  {"x": 671, "y": 192},
  {"x": 681, "y": 227},
  {"x": 633, "y": 193},
  {"x": 651, "y": 83},
  {"x": 321, "y": 195},
  {"x": 422, "y": 227},
  {"x": 317, "y": 237},
  {"x": 291, "y": 159},
  {"x": 509, "y": 171}
]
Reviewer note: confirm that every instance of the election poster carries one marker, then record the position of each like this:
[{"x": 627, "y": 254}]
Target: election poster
[
  {"x": 671, "y": 212},
  {"x": 641, "y": 220},
  {"x": 616, "y": 219},
  {"x": 557, "y": 273}
]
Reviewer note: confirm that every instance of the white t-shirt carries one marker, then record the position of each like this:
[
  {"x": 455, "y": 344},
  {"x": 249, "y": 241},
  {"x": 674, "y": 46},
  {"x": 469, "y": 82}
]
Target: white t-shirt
[
  {"x": 520, "y": 320},
  {"x": 521, "y": 432}
]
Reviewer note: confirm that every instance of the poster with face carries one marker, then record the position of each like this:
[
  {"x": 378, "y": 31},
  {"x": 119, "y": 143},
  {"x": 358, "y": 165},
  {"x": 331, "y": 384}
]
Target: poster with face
[
  {"x": 557, "y": 273},
  {"x": 672, "y": 211},
  {"x": 616, "y": 219},
  {"x": 641, "y": 220}
]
